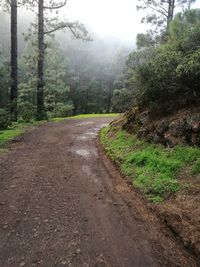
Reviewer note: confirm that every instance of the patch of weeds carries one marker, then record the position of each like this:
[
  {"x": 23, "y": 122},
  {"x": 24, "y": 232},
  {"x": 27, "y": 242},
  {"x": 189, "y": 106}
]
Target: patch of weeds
[
  {"x": 153, "y": 168},
  {"x": 7, "y": 135},
  {"x": 155, "y": 199}
]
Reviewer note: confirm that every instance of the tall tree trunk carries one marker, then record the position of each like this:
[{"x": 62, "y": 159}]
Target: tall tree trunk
[
  {"x": 40, "y": 83},
  {"x": 172, "y": 9},
  {"x": 170, "y": 15},
  {"x": 14, "y": 71},
  {"x": 86, "y": 101},
  {"x": 189, "y": 4},
  {"x": 110, "y": 83}
]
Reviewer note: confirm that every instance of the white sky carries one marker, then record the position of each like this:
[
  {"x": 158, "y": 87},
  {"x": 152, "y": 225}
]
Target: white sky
[{"x": 107, "y": 18}]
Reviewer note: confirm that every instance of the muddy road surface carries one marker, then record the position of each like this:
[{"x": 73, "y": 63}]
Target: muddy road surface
[{"x": 62, "y": 203}]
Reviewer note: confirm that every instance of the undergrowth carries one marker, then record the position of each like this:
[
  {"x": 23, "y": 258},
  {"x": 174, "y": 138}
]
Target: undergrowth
[
  {"x": 152, "y": 168},
  {"x": 85, "y": 116}
]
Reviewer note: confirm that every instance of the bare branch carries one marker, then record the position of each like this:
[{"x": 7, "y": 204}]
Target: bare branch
[
  {"x": 61, "y": 27},
  {"x": 157, "y": 10},
  {"x": 77, "y": 29},
  {"x": 55, "y": 6}
]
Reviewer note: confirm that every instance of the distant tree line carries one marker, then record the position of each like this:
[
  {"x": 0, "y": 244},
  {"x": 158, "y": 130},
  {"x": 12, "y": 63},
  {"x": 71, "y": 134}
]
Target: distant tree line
[{"x": 45, "y": 77}]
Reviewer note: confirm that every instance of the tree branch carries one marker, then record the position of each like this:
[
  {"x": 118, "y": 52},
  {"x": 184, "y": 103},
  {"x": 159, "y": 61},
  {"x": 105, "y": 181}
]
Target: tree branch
[
  {"x": 160, "y": 9},
  {"x": 157, "y": 10},
  {"x": 56, "y": 29},
  {"x": 56, "y": 7},
  {"x": 78, "y": 30}
]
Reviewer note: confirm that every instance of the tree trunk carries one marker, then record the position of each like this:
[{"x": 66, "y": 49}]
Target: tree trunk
[
  {"x": 110, "y": 83},
  {"x": 14, "y": 70},
  {"x": 40, "y": 83},
  {"x": 170, "y": 12}
]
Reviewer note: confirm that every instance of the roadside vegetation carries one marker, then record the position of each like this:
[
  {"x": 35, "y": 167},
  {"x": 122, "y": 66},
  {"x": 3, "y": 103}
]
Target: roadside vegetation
[
  {"x": 16, "y": 129},
  {"x": 153, "y": 168},
  {"x": 86, "y": 116}
]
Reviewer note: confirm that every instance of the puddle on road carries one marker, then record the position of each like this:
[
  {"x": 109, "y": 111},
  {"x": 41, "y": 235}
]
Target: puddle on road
[
  {"x": 92, "y": 133},
  {"x": 103, "y": 125},
  {"x": 83, "y": 137},
  {"x": 86, "y": 153},
  {"x": 84, "y": 123},
  {"x": 87, "y": 170},
  {"x": 83, "y": 152},
  {"x": 91, "y": 152}
]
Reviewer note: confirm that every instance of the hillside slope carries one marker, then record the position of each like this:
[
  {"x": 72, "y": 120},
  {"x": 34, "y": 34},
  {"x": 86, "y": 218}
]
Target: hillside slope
[{"x": 161, "y": 157}]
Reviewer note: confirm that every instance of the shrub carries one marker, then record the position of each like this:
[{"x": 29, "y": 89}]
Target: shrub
[
  {"x": 63, "y": 110},
  {"x": 26, "y": 111},
  {"x": 4, "y": 119}
]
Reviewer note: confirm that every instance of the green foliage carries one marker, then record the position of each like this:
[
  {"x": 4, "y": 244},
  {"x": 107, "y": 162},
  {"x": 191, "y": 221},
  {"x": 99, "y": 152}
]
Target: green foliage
[
  {"x": 158, "y": 82},
  {"x": 144, "y": 40},
  {"x": 121, "y": 100},
  {"x": 152, "y": 168},
  {"x": 4, "y": 119},
  {"x": 4, "y": 80},
  {"x": 27, "y": 111},
  {"x": 27, "y": 101},
  {"x": 56, "y": 90},
  {"x": 62, "y": 110},
  {"x": 166, "y": 78},
  {"x": 8, "y": 135},
  {"x": 196, "y": 167},
  {"x": 75, "y": 72}
]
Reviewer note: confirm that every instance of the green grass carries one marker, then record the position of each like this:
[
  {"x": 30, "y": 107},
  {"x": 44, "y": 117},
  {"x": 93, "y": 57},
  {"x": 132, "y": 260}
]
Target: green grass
[
  {"x": 15, "y": 130},
  {"x": 86, "y": 116},
  {"x": 152, "y": 168}
]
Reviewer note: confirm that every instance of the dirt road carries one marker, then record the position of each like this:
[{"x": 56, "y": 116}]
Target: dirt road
[{"x": 62, "y": 203}]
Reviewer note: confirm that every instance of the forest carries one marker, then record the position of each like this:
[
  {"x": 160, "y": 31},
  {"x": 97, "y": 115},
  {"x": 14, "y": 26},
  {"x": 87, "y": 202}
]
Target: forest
[{"x": 77, "y": 73}]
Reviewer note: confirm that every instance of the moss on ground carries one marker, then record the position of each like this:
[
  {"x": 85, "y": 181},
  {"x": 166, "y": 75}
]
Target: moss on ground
[{"x": 152, "y": 168}]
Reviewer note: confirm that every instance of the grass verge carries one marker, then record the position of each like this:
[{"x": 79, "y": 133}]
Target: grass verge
[
  {"x": 86, "y": 116},
  {"x": 15, "y": 130},
  {"x": 152, "y": 168}
]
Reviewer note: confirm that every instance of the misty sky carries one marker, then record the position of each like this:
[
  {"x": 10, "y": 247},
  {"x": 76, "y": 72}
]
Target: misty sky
[{"x": 109, "y": 18}]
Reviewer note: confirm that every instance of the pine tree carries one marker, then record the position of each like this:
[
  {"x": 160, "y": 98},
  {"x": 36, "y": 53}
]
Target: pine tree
[{"x": 14, "y": 65}]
